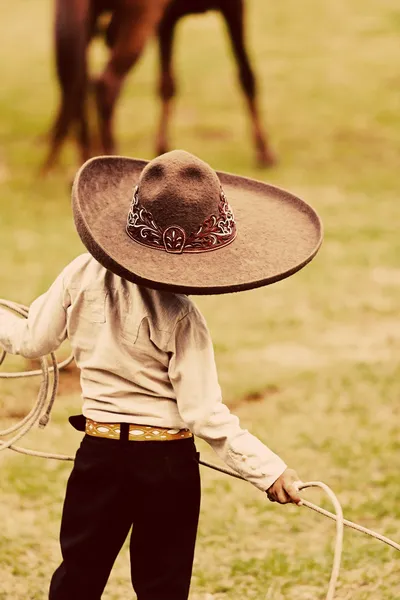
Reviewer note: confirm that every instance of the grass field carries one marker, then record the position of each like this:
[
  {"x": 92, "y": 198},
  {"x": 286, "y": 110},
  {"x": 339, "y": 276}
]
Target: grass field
[{"x": 311, "y": 365}]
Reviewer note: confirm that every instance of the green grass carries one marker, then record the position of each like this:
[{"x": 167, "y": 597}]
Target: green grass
[{"x": 310, "y": 364}]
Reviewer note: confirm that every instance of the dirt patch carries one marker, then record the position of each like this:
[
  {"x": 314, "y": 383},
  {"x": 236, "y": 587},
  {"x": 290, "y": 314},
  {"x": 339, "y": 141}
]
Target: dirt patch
[
  {"x": 69, "y": 380},
  {"x": 13, "y": 412},
  {"x": 371, "y": 342},
  {"x": 293, "y": 355},
  {"x": 255, "y": 396},
  {"x": 386, "y": 276},
  {"x": 4, "y": 172},
  {"x": 212, "y": 133}
]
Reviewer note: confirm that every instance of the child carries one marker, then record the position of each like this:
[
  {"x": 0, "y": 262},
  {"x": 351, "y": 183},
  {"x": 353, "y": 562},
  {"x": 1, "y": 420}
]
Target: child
[{"x": 148, "y": 374}]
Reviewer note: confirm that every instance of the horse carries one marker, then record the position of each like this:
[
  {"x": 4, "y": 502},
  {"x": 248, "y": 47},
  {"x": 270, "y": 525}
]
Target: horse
[
  {"x": 232, "y": 12},
  {"x": 129, "y": 26}
]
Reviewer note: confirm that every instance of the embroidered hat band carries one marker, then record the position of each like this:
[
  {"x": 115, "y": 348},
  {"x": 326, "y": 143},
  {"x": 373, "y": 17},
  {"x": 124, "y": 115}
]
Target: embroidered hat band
[{"x": 215, "y": 232}]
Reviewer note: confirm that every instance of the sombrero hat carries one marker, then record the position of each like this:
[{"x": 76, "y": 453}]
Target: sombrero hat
[{"x": 175, "y": 224}]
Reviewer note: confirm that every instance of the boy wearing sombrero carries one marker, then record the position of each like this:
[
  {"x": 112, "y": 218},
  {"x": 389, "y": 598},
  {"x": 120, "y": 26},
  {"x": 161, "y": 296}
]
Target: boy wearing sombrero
[{"x": 148, "y": 374}]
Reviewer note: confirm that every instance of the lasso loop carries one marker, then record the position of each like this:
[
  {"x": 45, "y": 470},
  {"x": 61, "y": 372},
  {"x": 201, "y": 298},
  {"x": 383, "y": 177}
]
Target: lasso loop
[{"x": 40, "y": 413}]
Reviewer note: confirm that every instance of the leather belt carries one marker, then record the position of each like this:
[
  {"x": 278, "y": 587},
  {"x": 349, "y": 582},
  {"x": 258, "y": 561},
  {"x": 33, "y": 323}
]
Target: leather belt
[{"x": 137, "y": 433}]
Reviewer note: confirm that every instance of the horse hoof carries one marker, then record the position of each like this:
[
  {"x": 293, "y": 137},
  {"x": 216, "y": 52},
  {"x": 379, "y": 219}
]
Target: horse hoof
[{"x": 43, "y": 171}]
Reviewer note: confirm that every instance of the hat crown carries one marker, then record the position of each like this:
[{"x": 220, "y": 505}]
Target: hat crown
[
  {"x": 179, "y": 206},
  {"x": 179, "y": 189}
]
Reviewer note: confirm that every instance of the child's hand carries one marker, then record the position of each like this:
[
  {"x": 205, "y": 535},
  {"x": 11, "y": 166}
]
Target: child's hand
[{"x": 284, "y": 490}]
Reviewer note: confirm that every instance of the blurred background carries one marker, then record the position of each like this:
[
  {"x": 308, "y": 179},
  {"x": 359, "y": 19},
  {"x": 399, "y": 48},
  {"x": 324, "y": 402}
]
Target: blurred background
[{"x": 311, "y": 364}]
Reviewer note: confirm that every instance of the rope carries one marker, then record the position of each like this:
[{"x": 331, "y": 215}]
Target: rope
[
  {"x": 41, "y": 413},
  {"x": 44, "y": 403},
  {"x": 337, "y": 516}
]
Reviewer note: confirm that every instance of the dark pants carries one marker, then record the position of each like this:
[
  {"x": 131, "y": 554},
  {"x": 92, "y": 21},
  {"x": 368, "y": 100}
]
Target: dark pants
[{"x": 153, "y": 487}]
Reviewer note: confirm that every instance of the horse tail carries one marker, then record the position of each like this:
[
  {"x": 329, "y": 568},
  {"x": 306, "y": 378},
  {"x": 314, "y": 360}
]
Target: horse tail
[
  {"x": 71, "y": 33},
  {"x": 71, "y": 38}
]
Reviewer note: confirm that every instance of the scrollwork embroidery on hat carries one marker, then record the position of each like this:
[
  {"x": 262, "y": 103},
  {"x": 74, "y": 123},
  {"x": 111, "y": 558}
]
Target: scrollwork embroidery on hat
[{"x": 215, "y": 232}]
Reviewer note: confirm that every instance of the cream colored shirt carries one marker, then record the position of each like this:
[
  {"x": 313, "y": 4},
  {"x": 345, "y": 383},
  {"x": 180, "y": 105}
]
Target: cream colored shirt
[{"x": 145, "y": 357}]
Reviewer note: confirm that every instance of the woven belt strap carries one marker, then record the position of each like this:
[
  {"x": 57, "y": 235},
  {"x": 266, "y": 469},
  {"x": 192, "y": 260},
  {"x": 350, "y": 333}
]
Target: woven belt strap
[{"x": 137, "y": 433}]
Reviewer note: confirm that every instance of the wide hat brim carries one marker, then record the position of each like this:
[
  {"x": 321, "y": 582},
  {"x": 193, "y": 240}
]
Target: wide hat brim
[{"x": 277, "y": 233}]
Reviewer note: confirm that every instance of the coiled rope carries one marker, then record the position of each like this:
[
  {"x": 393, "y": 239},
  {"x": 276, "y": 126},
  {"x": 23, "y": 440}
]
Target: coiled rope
[
  {"x": 37, "y": 413},
  {"x": 40, "y": 413}
]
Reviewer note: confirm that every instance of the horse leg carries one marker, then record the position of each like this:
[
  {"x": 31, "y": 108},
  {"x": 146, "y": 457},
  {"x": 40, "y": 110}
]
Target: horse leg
[
  {"x": 85, "y": 143},
  {"x": 132, "y": 26},
  {"x": 70, "y": 45},
  {"x": 82, "y": 125},
  {"x": 233, "y": 12},
  {"x": 58, "y": 134},
  {"x": 167, "y": 86}
]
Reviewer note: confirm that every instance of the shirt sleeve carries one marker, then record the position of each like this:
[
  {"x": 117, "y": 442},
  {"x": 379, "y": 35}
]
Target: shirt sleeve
[
  {"x": 193, "y": 374},
  {"x": 44, "y": 329}
]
